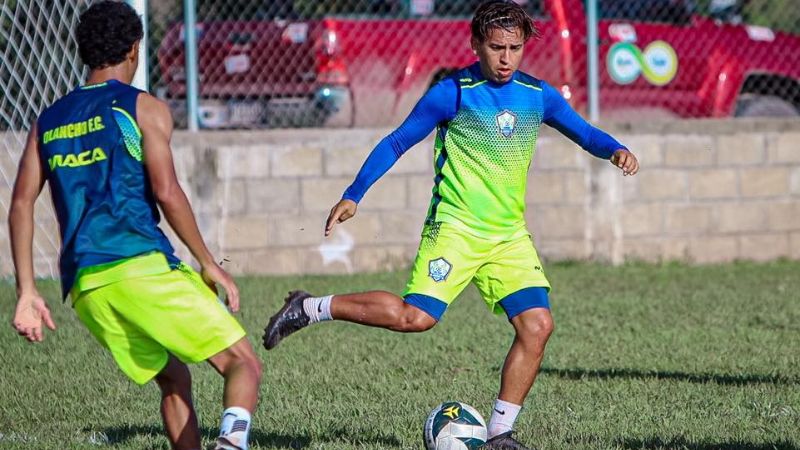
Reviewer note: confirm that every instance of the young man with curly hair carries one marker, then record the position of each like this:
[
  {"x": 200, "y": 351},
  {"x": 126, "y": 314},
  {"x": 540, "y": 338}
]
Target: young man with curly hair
[
  {"x": 105, "y": 150},
  {"x": 487, "y": 118}
]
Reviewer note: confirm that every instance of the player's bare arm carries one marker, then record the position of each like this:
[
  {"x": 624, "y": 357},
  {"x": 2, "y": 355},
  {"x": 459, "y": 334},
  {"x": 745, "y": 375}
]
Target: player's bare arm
[
  {"x": 155, "y": 121},
  {"x": 343, "y": 210},
  {"x": 31, "y": 310},
  {"x": 625, "y": 160}
]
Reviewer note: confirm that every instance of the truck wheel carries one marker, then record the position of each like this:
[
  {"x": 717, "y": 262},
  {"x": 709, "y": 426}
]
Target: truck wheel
[{"x": 765, "y": 106}]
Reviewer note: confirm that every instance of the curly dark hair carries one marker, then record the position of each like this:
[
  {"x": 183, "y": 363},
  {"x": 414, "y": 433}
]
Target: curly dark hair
[
  {"x": 107, "y": 32},
  {"x": 505, "y": 14}
]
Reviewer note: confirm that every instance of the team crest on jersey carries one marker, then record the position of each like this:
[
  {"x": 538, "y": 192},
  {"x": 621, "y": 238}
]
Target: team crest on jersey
[
  {"x": 439, "y": 269},
  {"x": 506, "y": 122}
]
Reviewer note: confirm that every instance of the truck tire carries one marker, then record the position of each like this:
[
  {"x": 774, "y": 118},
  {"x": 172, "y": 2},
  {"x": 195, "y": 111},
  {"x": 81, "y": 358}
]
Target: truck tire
[{"x": 765, "y": 106}]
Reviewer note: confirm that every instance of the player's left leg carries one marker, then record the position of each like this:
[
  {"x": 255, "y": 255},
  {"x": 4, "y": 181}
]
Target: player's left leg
[
  {"x": 513, "y": 282},
  {"x": 241, "y": 370},
  {"x": 446, "y": 261},
  {"x": 177, "y": 410}
]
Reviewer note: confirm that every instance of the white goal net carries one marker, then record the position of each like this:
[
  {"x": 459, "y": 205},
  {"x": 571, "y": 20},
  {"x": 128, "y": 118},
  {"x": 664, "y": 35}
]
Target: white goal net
[{"x": 38, "y": 64}]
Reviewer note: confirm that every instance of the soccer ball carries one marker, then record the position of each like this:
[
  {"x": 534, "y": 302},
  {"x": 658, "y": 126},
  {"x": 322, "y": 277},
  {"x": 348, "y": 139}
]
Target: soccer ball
[{"x": 454, "y": 426}]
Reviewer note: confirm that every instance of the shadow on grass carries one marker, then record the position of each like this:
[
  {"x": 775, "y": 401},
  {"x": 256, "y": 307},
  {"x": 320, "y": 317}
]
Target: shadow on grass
[
  {"x": 117, "y": 435},
  {"x": 120, "y": 435},
  {"x": 605, "y": 374},
  {"x": 683, "y": 444}
]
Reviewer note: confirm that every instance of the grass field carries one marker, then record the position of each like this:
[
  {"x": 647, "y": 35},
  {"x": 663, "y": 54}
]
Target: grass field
[{"x": 643, "y": 357}]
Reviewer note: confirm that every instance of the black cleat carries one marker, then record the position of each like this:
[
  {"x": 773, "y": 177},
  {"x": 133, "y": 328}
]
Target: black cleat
[
  {"x": 504, "y": 441},
  {"x": 289, "y": 319}
]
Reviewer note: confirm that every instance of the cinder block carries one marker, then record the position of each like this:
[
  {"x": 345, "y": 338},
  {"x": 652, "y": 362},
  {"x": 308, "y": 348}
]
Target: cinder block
[
  {"x": 330, "y": 259},
  {"x": 764, "y": 247},
  {"x": 552, "y": 222},
  {"x": 364, "y": 228},
  {"x": 418, "y": 159},
  {"x": 660, "y": 184},
  {"x": 783, "y": 148},
  {"x": 556, "y": 152},
  {"x": 420, "y": 191},
  {"x": 243, "y": 161},
  {"x": 675, "y": 248},
  {"x": 345, "y": 161},
  {"x": 294, "y": 162},
  {"x": 321, "y": 194},
  {"x": 794, "y": 181},
  {"x": 273, "y": 195},
  {"x": 784, "y": 216},
  {"x": 562, "y": 250},
  {"x": 765, "y": 182},
  {"x": 274, "y": 261},
  {"x": 688, "y": 151},
  {"x": 710, "y": 249},
  {"x": 401, "y": 227},
  {"x": 741, "y": 149},
  {"x": 576, "y": 186},
  {"x": 545, "y": 187},
  {"x": 736, "y": 217},
  {"x": 387, "y": 193},
  {"x": 297, "y": 231},
  {"x": 233, "y": 196},
  {"x": 383, "y": 258},
  {"x": 715, "y": 183},
  {"x": 245, "y": 233},
  {"x": 646, "y": 147},
  {"x": 794, "y": 251},
  {"x": 644, "y": 219},
  {"x": 642, "y": 249},
  {"x": 688, "y": 219}
]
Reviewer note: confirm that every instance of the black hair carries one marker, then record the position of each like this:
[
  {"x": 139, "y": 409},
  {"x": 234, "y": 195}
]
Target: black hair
[
  {"x": 505, "y": 14},
  {"x": 106, "y": 33}
]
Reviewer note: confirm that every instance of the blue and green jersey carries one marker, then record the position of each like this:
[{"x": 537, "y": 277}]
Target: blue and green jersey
[
  {"x": 91, "y": 152},
  {"x": 486, "y": 136}
]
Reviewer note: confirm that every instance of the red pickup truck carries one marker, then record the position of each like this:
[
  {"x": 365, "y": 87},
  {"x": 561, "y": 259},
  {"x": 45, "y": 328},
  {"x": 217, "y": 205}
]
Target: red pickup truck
[{"x": 367, "y": 66}]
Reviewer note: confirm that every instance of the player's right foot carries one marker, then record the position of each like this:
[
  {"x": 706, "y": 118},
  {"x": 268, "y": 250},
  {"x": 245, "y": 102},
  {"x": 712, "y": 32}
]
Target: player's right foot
[
  {"x": 289, "y": 319},
  {"x": 224, "y": 444},
  {"x": 504, "y": 442}
]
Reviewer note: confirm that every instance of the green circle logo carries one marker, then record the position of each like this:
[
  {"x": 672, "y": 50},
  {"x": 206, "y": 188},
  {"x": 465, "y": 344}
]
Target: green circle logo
[{"x": 658, "y": 63}]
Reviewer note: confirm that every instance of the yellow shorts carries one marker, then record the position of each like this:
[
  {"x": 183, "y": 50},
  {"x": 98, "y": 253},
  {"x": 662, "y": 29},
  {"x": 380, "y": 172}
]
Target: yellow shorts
[
  {"x": 449, "y": 258},
  {"x": 142, "y": 320}
]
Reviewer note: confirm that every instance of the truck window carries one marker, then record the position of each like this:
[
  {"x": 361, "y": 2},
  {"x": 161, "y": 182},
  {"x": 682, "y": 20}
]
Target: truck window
[{"x": 676, "y": 12}]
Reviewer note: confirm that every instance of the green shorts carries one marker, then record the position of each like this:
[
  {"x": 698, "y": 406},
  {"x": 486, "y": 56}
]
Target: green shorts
[
  {"x": 141, "y": 320},
  {"x": 449, "y": 258}
]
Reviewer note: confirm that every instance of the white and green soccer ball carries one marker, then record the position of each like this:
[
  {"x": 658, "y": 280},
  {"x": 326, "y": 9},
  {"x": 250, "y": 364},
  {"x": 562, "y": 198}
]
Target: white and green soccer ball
[{"x": 454, "y": 426}]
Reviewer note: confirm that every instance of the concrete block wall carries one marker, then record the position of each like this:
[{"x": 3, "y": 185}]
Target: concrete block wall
[{"x": 707, "y": 192}]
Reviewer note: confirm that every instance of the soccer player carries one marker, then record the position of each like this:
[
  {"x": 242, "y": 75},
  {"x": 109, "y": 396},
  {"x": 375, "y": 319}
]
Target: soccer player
[
  {"x": 104, "y": 148},
  {"x": 487, "y": 118}
]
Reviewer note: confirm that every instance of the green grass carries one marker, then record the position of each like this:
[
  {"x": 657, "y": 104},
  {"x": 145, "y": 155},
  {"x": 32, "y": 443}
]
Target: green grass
[{"x": 643, "y": 357}]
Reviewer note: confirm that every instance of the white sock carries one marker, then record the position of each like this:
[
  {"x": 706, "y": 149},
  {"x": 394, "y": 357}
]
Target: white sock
[
  {"x": 504, "y": 414},
  {"x": 235, "y": 426},
  {"x": 318, "y": 308}
]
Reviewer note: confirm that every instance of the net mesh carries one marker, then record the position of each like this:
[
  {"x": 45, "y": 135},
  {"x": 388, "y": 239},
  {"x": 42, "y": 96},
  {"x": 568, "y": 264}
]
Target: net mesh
[{"x": 38, "y": 64}]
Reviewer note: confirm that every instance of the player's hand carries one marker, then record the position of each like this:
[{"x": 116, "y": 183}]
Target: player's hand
[
  {"x": 626, "y": 161},
  {"x": 213, "y": 274},
  {"x": 28, "y": 317},
  {"x": 342, "y": 211}
]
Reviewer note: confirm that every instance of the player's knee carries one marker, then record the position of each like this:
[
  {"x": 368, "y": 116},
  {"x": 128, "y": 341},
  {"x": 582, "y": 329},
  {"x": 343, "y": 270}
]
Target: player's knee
[
  {"x": 414, "y": 320},
  {"x": 538, "y": 327},
  {"x": 249, "y": 362},
  {"x": 174, "y": 377}
]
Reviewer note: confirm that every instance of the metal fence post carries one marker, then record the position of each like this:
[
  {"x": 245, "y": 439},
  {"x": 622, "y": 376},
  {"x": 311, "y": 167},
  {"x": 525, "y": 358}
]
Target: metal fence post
[
  {"x": 140, "y": 80},
  {"x": 190, "y": 41},
  {"x": 592, "y": 51}
]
